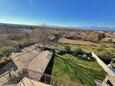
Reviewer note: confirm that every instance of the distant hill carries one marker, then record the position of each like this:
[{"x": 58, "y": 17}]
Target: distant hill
[
  {"x": 5, "y": 26},
  {"x": 98, "y": 28},
  {"x": 14, "y": 26}
]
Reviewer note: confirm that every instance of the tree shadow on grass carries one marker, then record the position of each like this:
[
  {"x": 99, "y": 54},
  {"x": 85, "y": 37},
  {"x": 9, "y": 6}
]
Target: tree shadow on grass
[
  {"x": 50, "y": 66},
  {"x": 46, "y": 78}
]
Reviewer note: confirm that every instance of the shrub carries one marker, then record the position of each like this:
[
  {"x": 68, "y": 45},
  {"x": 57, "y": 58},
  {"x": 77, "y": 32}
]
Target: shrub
[
  {"x": 101, "y": 36},
  {"x": 106, "y": 56},
  {"x": 100, "y": 48},
  {"x": 113, "y": 45},
  {"x": 6, "y": 51},
  {"x": 110, "y": 40},
  {"x": 67, "y": 48},
  {"x": 79, "y": 51}
]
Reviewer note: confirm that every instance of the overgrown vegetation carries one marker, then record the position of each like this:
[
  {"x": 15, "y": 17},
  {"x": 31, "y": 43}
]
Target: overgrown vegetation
[
  {"x": 6, "y": 51},
  {"x": 104, "y": 52},
  {"x": 101, "y": 36}
]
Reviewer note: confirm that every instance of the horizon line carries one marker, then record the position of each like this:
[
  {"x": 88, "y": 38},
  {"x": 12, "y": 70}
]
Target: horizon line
[{"x": 49, "y": 25}]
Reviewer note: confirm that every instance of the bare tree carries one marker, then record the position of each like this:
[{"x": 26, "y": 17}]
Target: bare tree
[
  {"x": 43, "y": 36},
  {"x": 93, "y": 36},
  {"x": 40, "y": 35}
]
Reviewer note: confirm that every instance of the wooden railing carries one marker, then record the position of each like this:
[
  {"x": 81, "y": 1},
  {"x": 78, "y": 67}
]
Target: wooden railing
[
  {"x": 48, "y": 79},
  {"x": 103, "y": 65},
  {"x": 110, "y": 74}
]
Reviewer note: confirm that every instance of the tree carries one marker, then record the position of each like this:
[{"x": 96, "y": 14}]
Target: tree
[
  {"x": 43, "y": 37},
  {"x": 40, "y": 36},
  {"x": 57, "y": 34},
  {"x": 101, "y": 36},
  {"x": 93, "y": 36}
]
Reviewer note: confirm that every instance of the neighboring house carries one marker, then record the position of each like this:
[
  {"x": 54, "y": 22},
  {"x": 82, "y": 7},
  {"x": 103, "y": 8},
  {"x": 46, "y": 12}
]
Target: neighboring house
[
  {"x": 51, "y": 38},
  {"x": 25, "y": 30},
  {"x": 70, "y": 35},
  {"x": 110, "y": 35},
  {"x": 101, "y": 31}
]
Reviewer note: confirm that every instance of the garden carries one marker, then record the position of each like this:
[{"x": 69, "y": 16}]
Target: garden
[{"x": 74, "y": 67}]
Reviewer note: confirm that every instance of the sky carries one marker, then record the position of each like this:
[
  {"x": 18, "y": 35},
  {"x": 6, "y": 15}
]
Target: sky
[{"x": 75, "y": 13}]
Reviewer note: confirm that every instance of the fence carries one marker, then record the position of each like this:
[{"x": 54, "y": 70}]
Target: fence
[{"x": 33, "y": 75}]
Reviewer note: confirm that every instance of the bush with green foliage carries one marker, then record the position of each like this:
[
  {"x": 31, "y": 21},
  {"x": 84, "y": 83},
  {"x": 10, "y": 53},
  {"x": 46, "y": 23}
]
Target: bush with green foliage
[
  {"x": 100, "y": 47},
  {"x": 67, "y": 48},
  {"x": 101, "y": 36},
  {"x": 79, "y": 51},
  {"x": 6, "y": 51},
  {"x": 106, "y": 56}
]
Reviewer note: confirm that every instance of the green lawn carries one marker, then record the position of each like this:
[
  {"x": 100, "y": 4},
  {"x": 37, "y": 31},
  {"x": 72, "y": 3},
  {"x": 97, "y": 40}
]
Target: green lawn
[{"x": 78, "y": 70}]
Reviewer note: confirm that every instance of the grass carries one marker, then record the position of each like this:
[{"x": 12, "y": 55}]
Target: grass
[
  {"x": 113, "y": 64},
  {"x": 72, "y": 68},
  {"x": 78, "y": 70}
]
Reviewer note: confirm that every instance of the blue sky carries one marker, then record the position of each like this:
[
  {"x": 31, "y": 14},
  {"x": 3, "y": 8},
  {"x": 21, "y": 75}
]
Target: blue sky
[{"x": 74, "y": 13}]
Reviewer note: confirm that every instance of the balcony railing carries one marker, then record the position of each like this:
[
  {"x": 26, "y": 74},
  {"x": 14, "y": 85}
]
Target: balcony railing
[
  {"x": 33, "y": 75},
  {"x": 49, "y": 79}
]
